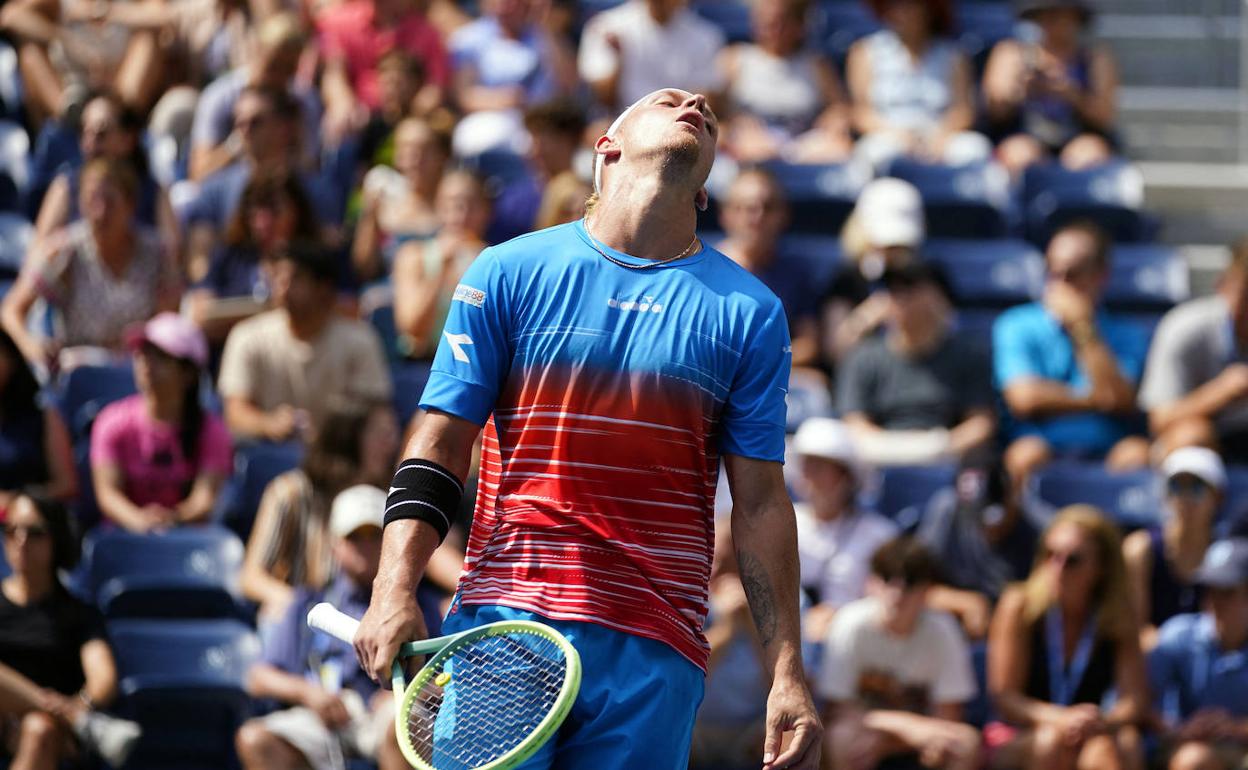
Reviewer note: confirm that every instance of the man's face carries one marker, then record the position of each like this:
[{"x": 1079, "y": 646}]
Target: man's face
[
  {"x": 299, "y": 292},
  {"x": 900, "y": 602},
  {"x": 754, "y": 210},
  {"x": 676, "y": 126},
  {"x": 1229, "y": 607},
  {"x": 102, "y": 133},
  {"x": 827, "y": 484},
  {"x": 256, "y": 124},
  {"x": 359, "y": 554},
  {"x": 1071, "y": 259}
]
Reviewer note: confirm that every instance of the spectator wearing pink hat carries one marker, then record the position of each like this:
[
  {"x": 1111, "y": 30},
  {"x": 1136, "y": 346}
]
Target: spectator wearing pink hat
[{"x": 157, "y": 458}]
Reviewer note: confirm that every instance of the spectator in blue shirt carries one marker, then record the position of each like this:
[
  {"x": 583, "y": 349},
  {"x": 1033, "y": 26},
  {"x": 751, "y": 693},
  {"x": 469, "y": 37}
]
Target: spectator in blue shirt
[
  {"x": 334, "y": 711},
  {"x": 1067, "y": 369},
  {"x": 1199, "y": 668}
]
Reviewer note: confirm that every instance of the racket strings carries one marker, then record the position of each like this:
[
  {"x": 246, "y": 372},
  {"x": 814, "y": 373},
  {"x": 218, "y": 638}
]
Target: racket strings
[{"x": 485, "y": 700}]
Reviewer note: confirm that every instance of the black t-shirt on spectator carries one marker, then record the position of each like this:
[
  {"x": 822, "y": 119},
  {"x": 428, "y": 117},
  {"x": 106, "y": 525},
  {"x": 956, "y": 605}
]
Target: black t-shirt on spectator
[{"x": 43, "y": 641}]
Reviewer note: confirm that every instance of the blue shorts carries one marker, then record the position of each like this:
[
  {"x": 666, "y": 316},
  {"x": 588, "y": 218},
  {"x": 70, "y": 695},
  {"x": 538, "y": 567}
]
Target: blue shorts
[{"x": 637, "y": 701}]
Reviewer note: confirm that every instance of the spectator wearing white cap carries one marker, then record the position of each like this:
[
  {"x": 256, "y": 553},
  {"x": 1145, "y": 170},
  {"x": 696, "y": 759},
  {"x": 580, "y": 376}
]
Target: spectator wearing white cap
[
  {"x": 335, "y": 712},
  {"x": 1200, "y": 668},
  {"x": 885, "y": 230},
  {"x": 835, "y": 538},
  {"x": 158, "y": 459},
  {"x": 1162, "y": 561}
]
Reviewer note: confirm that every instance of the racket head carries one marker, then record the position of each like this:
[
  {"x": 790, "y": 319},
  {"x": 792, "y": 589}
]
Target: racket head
[{"x": 526, "y": 671}]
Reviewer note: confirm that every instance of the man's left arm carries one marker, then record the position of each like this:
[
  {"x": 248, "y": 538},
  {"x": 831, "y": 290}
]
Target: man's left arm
[{"x": 765, "y": 539}]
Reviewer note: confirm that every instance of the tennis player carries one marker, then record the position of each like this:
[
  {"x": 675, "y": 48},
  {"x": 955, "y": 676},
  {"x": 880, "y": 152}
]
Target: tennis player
[{"x": 613, "y": 362}]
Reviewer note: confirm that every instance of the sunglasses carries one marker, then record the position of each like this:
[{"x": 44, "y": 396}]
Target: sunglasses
[
  {"x": 1066, "y": 559},
  {"x": 31, "y": 531},
  {"x": 1187, "y": 486},
  {"x": 1074, "y": 274}
]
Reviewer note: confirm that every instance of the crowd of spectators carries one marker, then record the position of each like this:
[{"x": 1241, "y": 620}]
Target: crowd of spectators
[{"x": 260, "y": 210}]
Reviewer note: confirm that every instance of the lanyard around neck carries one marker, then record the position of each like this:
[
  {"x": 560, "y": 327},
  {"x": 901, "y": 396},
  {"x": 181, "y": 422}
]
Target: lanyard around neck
[{"x": 1064, "y": 681}]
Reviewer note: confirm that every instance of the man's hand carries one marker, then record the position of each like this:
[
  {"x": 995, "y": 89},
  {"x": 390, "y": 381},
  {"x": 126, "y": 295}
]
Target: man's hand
[
  {"x": 1209, "y": 724},
  {"x": 1067, "y": 305},
  {"x": 1080, "y": 722},
  {"x": 789, "y": 707},
  {"x": 390, "y": 621},
  {"x": 1234, "y": 379},
  {"x": 329, "y": 707}
]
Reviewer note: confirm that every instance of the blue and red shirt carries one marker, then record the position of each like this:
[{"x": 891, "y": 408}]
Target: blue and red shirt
[{"x": 608, "y": 395}]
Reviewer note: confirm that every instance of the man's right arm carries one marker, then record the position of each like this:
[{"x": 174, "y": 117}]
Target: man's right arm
[{"x": 393, "y": 616}]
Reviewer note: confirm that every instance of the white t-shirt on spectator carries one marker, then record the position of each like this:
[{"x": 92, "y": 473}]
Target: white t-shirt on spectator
[
  {"x": 932, "y": 665},
  {"x": 678, "y": 55},
  {"x": 834, "y": 557}
]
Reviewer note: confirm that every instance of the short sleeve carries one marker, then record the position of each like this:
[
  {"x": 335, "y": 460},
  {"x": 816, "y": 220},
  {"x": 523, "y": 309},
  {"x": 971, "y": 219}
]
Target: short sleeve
[
  {"x": 475, "y": 352},
  {"x": 955, "y": 676},
  {"x": 596, "y": 59},
  {"x": 50, "y": 269},
  {"x": 212, "y": 123},
  {"x": 1163, "y": 660},
  {"x": 853, "y": 389},
  {"x": 754, "y": 417},
  {"x": 1011, "y": 359},
  {"x": 1165, "y": 378},
  {"x": 282, "y": 645},
  {"x": 108, "y": 434},
  {"x": 216, "y": 449},
  {"x": 237, "y": 371},
  {"x": 838, "y": 671}
]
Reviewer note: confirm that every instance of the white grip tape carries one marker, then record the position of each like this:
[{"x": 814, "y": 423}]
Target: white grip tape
[{"x": 326, "y": 617}]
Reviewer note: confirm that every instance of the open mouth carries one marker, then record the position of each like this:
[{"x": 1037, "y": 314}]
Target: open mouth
[{"x": 693, "y": 118}]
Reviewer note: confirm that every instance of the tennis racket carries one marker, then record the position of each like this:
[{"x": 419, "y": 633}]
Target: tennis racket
[{"x": 487, "y": 699}]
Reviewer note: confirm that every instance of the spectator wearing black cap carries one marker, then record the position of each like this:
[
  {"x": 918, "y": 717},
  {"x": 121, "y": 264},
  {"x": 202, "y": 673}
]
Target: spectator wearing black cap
[
  {"x": 282, "y": 369},
  {"x": 1055, "y": 96},
  {"x": 1200, "y": 665},
  {"x": 917, "y": 394}
]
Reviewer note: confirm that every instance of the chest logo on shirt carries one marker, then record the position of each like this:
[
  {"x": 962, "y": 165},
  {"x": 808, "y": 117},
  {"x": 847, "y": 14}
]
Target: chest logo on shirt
[
  {"x": 457, "y": 343},
  {"x": 643, "y": 305}
]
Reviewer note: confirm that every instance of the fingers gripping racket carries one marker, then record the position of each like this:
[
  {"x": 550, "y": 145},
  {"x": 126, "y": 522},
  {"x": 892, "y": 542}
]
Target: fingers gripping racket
[{"x": 487, "y": 699}]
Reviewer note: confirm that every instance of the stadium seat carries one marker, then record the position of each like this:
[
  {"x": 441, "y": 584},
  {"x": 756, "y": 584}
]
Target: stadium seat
[
  {"x": 1133, "y": 500},
  {"x": 902, "y": 493},
  {"x": 255, "y": 465},
  {"x": 10, "y": 83},
  {"x": 991, "y": 273},
  {"x": 731, "y": 17},
  {"x": 1110, "y": 195},
  {"x": 976, "y": 324},
  {"x": 499, "y": 167},
  {"x": 1146, "y": 277},
  {"x": 842, "y": 23},
  {"x": 980, "y": 26},
  {"x": 960, "y": 201},
  {"x": 85, "y": 390},
  {"x": 979, "y": 710},
  {"x": 15, "y": 235},
  {"x": 190, "y": 572},
  {"x": 5, "y": 571},
  {"x": 381, "y": 318},
  {"x": 15, "y": 160},
  {"x": 820, "y": 196},
  {"x": 183, "y": 681},
  {"x": 409, "y": 378}
]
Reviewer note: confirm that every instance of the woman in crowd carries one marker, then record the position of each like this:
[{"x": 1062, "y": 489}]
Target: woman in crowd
[
  {"x": 101, "y": 274},
  {"x": 273, "y": 211},
  {"x": 563, "y": 201},
  {"x": 34, "y": 442},
  {"x": 783, "y": 100},
  {"x": 911, "y": 89},
  {"x": 884, "y": 232},
  {"x": 158, "y": 459},
  {"x": 1059, "y": 643},
  {"x": 398, "y": 203},
  {"x": 55, "y": 663},
  {"x": 426, "y": 271},
  {"x": 1056, "y": 97}
]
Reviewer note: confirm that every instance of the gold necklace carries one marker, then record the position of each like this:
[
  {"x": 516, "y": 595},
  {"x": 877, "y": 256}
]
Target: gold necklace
[{"x": 628, "y": 265}]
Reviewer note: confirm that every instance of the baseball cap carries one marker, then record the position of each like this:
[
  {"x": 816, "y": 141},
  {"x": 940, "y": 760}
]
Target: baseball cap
[
  {"x": 1225, "y": 564},
  {"x": 826, "y": 438},
  {"x": 1027, "y": 9},
  {"x": 890, "y": 213},
  {"x": 1203, "y": 463},
  {"x": 355, "y": 507},
  {"x": 170, "y": 333}
]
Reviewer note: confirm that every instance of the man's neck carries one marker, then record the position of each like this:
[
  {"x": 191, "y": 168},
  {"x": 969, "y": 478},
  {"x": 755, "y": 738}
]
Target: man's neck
[
  {"x": 1230, "y": 642},
  {"x": 916, "y": 342},
  {"x": 645, "y": 217},
  {"x": 310, "y": 326},
  {"x": 1185, "y": 547}
]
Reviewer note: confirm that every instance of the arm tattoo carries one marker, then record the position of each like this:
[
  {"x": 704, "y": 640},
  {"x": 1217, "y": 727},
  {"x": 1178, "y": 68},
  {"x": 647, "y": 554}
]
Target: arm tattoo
[{"x": 757, "y": 585}]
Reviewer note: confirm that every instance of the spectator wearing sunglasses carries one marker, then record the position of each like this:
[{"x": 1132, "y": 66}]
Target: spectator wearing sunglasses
[
  {"x": 1059, "y": 642},
  {"x": 1067, "y": 369},
  {"x": 1162, "y": 561},
  {"x": 1201, "y": 665}
]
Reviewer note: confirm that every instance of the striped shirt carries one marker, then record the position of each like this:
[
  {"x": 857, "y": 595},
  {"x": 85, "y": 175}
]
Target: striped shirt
[{"x": 608, "y": 395}]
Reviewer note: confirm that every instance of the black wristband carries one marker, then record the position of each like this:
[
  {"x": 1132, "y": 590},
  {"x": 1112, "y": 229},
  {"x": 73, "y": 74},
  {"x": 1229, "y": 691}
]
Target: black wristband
[{"x": 425, "y": 491}]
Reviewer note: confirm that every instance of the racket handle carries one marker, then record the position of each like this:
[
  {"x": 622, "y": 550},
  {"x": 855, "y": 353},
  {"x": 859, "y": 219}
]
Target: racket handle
[{"x": 326, "y": 617}]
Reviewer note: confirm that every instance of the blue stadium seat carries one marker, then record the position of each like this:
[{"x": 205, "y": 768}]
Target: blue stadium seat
[
  {"x": 902, "y": 493},
  {"x": 731, "y": 17},
  {"x": 190, "y": 572},
  {"x": 842, "y": 23},
  {"x": 15, "y": 162},
  {"x": 980, "y": 26},
  {"x": 978, "y": 711},
  {"x": 15, "y": 235},
  {"x": 499, "y": 167},
  {"x": 4, "y": 566},
  {"x": 1133, "y": 500},
  {"x": 409, "y": 378},
  {"x": 382, "y": 320},
  {"x": 1234, "y": 518},
  {"x": 975, "y": 324},
  {"x": 255, "y": 465},
  {"x": 820, "y": 196},
  {"x": 182, "y": 680},
  {"x": 1110, "y": 195},
  {"x": 960, "y": 201},
  {"x": 10, "y": 83},
  {"x": 85, "y": 390},
  {"x": 989, "y": 273},
  {"x": 1146, "y": 277}
]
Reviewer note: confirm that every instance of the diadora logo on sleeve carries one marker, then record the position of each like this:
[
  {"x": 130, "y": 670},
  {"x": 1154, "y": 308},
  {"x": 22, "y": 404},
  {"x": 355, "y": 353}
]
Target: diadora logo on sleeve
[
  {"x": 468, "y": 295},
  {"x": 643, "y": 305}
]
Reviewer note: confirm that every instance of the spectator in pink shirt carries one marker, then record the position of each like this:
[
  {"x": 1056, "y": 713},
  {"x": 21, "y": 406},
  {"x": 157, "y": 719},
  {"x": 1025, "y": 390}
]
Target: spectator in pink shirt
[
  {"x": 157, "y": 458},
  {"x": 355, "y": 35}
]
